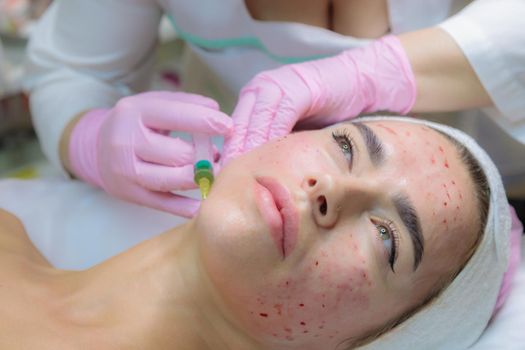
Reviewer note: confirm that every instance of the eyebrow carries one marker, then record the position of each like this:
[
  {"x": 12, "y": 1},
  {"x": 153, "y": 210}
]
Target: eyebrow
[
  {"x": 408, "y": 215},
  {"x": 373, "y": 144},
  {"x": 404, "y": 206}
]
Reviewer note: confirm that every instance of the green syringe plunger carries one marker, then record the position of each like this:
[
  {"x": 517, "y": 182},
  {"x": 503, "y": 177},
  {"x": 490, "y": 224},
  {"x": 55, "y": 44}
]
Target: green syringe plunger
[{"x": 203, "y": 176}]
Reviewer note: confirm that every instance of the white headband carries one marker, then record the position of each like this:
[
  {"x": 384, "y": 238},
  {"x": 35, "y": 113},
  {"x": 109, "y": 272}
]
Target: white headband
[{"x": 458, "y": 316}]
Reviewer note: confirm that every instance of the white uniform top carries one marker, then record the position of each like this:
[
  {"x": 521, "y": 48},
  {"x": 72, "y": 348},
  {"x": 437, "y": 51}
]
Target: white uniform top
[{"x": 87, "y": 54}]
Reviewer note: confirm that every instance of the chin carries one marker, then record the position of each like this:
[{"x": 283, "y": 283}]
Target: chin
[{"x": 233, "y": 241}]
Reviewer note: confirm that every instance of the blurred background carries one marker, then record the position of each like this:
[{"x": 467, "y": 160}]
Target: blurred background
[{"x": 20, "y": 154}]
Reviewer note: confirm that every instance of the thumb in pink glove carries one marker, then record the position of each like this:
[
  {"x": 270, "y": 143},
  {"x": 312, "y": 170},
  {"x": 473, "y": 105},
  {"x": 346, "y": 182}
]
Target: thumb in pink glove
[
  {"x": 322, "y": 92},
  {"x": 126, "y": 150}
]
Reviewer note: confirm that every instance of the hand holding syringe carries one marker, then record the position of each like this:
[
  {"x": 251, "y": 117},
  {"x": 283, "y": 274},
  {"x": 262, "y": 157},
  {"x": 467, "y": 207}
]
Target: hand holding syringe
[{"x": 126, "y": 150}]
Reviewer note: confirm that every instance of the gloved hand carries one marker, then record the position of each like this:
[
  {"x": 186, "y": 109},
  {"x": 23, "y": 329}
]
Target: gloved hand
[
  {"x": 322, "y": 92},
  {"x": 126, "y": 150}
]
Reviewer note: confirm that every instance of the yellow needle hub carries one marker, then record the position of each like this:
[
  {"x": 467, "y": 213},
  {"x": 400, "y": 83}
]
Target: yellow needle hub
[{"x": 203, "y": 176}]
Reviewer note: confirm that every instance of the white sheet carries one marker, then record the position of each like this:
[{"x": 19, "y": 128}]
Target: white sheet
[{"x": 76, "y": 226}]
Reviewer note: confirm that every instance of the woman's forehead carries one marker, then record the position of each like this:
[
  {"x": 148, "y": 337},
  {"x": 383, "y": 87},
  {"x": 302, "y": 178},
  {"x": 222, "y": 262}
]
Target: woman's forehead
[{"x": 426, "y": 166}]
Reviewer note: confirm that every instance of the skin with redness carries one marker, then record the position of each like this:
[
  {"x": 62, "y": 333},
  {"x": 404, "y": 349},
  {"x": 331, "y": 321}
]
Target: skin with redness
[
  {"x": 337, "y": 283},
  {"x": 220, "y": 281}
]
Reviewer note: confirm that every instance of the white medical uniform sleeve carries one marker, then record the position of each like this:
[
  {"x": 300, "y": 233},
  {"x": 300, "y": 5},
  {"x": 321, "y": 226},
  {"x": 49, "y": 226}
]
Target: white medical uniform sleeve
[
  {"x": 86, "y": 54},
  {"x": 491, "y": 34}
]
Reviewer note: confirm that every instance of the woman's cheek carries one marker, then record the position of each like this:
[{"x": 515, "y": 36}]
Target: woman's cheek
[
  {"x": 292, "y": 155},
  {"x": 325, "y": 300}
]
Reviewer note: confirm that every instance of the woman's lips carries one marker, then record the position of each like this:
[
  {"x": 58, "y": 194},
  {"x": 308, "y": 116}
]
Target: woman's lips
[{"x": 276, "y": 206}]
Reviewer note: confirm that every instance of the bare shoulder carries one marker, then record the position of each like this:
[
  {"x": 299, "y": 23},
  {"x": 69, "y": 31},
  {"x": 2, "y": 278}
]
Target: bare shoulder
[
  {"x": 9, "y": 221},
  {"x": 27, "y": 293},
  {"x": 14, "y": 241}
]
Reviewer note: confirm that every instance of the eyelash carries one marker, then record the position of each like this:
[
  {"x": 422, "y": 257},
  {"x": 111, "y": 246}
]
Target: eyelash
[
  {"x": 394, "y": 236},
  {"x": 345, "y": 142}
]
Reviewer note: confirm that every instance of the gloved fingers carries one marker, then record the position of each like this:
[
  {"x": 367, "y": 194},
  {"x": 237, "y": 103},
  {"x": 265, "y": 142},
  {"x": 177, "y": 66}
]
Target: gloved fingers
[
  {"x": 234, "y": 142},
  {"x": 164, "y": 178},
  {"x": 169, "y": 202},
  {"x": 164, "y": 150},
  {"x": 251, "y": 126},
  {"x": 181, "y": 116},
  {"x": 283, "y": 123},
  {"x": 181, "y": 97},
  {"x": 267, "y": 107},
  {"x": 199, "y": 99}
]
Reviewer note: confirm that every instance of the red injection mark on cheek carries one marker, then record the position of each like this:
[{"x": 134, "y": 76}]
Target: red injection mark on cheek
[{"x": 447, "y": 192}]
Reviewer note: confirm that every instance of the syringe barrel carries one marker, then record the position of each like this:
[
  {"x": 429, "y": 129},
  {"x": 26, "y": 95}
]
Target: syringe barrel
[{"x": 203, "y": 147}]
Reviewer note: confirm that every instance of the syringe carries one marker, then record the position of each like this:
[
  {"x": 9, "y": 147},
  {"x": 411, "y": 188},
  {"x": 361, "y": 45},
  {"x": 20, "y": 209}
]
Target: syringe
[{"x": 203, "y": 169}]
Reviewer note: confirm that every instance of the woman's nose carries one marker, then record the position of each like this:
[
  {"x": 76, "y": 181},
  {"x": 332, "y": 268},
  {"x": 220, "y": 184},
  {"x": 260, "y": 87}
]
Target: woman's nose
[{"x": 330, "y": 196}]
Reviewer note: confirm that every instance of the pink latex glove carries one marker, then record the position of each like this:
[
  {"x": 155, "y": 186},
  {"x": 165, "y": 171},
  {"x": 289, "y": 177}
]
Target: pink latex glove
[
  {"x": 126, "y": 150},
  {"x": 322, "y": 92}
]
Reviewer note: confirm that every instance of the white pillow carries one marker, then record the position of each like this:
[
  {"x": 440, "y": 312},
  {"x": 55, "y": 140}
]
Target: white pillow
[{"x": 507, "y": 329}]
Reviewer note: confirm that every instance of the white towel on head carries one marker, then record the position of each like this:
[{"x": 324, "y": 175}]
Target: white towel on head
[{"x": 458, "y": 316}]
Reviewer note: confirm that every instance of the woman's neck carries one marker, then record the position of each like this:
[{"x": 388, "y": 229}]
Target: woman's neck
[{"x": 155, "y": 295}]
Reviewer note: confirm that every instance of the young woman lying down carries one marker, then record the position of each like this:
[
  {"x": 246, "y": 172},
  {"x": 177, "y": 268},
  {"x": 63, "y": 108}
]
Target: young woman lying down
[{"x": 378, "y": 234}]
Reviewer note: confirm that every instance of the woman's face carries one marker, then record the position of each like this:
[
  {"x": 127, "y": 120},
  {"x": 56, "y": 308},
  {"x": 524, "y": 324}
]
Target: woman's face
[{"x": 323, "y": 236}]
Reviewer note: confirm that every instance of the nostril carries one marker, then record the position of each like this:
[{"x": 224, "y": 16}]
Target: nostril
[
  {"x": 312, "y": 182},
  {"x": 323, "y": 207}
]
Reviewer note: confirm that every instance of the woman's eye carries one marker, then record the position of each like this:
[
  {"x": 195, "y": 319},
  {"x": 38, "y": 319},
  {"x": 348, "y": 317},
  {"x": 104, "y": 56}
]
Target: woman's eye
[
  {"x": 385, "y": 236},
  {"x": 389, "y": 238},
  {"x": 344, "y": 142}
]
